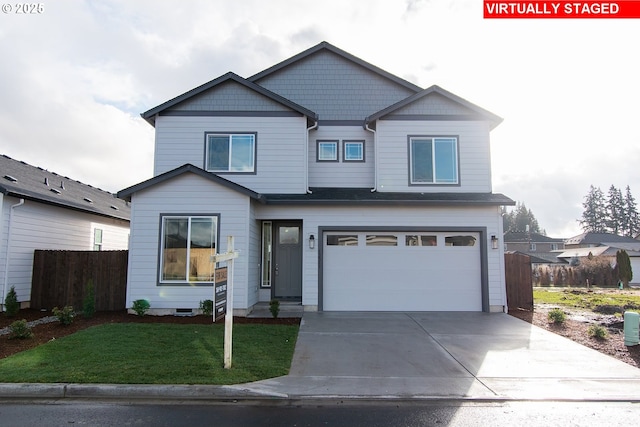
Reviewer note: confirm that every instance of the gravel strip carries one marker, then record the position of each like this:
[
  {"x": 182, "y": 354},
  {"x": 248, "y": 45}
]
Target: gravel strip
[{"x": 48, "y": 319}]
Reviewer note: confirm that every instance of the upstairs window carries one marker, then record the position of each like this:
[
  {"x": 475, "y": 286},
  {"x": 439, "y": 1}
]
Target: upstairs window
[
  {"x": 231, "y": 153},
  {"x": 353, "y": 151},
  {"x": 433, "y": 160},
  {"x": 327, "y": 151}
]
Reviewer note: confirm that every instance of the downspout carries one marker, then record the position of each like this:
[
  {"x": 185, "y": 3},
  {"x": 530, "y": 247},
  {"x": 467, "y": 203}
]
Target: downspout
[
  {"x": 6, "y": 264},
  {"x": 306, "y": 157},
  {"x": 375, "y": 155}
]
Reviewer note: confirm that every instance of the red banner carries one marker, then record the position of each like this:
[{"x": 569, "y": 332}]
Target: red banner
[{"x": 561, "y": 9}]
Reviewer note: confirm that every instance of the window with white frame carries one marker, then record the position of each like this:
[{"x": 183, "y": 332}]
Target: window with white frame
[
  {"x": 433, "y": 160},
  {"x": 353, "y": 151},
  {"x": 97, "y": 239},
  {"x": 327, "y": 151},
  {"x": 231, "y": 152},
  {"x": 188, "y": 244}
]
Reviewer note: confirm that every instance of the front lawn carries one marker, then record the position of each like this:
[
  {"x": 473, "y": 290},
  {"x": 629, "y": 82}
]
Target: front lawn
[
  {"x": 147, "y": 353},
  {"x": 607, "y": 301}
]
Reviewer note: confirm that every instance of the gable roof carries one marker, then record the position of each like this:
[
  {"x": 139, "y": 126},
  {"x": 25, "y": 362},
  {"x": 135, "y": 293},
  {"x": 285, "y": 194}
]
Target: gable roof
[
  {"x": 494, "y": 119},
  {"x": 187, "y": 168},
  {"x": 523, "y": 236},
  {"x": 331, "y": 48},
  {"x": 21, "y": 180},
  {"x": 149, "y": 115},
  {"x": 599, "y": 239}
]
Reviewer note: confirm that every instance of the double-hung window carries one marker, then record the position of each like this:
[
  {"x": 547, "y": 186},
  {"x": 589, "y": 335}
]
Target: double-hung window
[
  {"x": 188, "y": 244},
  {"x": 231, "y": 152},
  {"x": 433, "y": 160}
]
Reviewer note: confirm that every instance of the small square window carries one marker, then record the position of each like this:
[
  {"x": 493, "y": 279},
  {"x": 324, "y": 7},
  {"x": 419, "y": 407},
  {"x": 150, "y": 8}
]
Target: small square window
[
  {"x": 327, "y": 151},
  {"x": 353, "y": 151}
]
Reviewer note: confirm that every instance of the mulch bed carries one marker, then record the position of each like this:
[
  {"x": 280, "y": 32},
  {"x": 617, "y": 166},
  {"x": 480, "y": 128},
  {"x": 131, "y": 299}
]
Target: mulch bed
[
  {"x": 55, "y": 330},
  {"x": 577, "y": 330}
]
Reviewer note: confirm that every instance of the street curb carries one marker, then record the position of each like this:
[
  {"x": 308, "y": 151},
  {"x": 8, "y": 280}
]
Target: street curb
[
  {"x": 238, "y": 393},
  {"x": 142, "y": 391}
]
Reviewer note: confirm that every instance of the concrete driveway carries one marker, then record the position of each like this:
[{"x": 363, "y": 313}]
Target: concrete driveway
[{"x": 444, "y": 355}]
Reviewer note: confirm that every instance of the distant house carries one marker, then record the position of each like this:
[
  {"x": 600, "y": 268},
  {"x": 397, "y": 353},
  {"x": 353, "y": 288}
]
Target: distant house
[
  {"x": 541, "y": 248},
  {"x": 344, "y": 186},
  {"x": 603, "y": 244},
  {"x": 43, "y": 210}
]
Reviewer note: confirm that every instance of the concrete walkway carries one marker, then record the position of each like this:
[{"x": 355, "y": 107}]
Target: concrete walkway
[{"x": 468, "y": 356}]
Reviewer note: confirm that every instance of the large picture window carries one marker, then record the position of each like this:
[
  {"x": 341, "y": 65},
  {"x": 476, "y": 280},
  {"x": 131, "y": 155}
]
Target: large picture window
[
  {"x": 188, "y": 245},
  {"x": 433, "y": 160},
  {"x": 231, "y": 152}
]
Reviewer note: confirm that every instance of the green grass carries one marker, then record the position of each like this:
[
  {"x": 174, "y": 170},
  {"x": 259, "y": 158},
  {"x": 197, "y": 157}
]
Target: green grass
[
  {"x": 612, "y": 301},
  {"x": 138, "y": 353}
]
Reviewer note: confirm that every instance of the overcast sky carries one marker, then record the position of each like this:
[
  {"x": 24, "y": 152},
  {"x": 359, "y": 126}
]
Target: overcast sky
[{"x": 74, "y": 80}]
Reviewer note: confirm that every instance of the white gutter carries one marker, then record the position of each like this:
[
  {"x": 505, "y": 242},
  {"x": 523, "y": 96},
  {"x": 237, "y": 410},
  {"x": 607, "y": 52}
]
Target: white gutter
[
  {"x": 306, "y": 157},
  {"x": 375, "y": 155},
  {"x": 6, "y": 264}
]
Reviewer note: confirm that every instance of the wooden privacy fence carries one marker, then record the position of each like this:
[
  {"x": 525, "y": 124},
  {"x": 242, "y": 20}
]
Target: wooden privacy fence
[
  {"x": 61, "y": 278},
  {"x": 519, "y": 282}
]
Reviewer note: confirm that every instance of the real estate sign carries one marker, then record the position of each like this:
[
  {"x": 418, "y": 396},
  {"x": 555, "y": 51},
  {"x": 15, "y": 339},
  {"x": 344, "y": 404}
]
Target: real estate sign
[{"x": 220, "y": 300}]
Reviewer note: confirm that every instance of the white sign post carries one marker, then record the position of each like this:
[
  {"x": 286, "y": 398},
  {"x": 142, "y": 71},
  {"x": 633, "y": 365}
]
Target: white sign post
[{"x": 229, "y": 256}]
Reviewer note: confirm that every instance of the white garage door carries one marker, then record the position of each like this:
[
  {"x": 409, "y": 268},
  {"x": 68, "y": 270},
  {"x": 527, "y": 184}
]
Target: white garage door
[{"x": 408, "y": 271}]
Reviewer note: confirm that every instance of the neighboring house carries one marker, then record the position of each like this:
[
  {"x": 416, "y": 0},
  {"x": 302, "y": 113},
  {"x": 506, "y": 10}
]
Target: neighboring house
[
  {"x": 43, "y": 210},
  {"x": 542, "y": 249},
  {"x": 345, "y": 188},
  {"x": 603, "y": 244}
]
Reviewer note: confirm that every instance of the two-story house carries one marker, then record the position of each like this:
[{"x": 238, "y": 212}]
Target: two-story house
[{"x": 345, "y": 188}]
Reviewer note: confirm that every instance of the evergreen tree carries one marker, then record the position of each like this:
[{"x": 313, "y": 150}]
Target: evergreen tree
[
  {"x": 518, "y": 220},
  {"x": 615, "y": 211},
  {"x": 594, "y": 215},
  {"x": 623, "y": 267},
  {"x": 631, "y": 221}
]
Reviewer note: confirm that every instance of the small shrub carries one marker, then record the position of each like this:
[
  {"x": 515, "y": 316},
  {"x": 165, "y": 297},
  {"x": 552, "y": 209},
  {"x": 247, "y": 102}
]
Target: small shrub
[
  {"x": 141, "y": 306},
  {"x": 206, "y": 307},
  {"x": 64, "y": 315},
  {"x": 274, "y": 308},
  {"x": 597, "y": 331},
  {"x": 556, "y": 316},
  {"x": 11, "y": 304},
  {"x": 20, "y": 330},
  {"x": 89, "y": 302}
]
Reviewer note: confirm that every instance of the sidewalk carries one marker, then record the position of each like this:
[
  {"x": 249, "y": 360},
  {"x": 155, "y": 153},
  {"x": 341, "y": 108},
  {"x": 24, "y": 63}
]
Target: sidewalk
[{"x": 406, "y": 356}]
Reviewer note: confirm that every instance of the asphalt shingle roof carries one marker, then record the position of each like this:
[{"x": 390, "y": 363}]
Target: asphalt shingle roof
[{"x": 19, "y": 179}]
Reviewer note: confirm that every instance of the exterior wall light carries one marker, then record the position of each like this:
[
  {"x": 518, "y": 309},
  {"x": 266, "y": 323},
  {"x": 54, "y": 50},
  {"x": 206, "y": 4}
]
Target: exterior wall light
[
  {"x": 494, "y": 242},
  {"x": 312, "y": 241}
]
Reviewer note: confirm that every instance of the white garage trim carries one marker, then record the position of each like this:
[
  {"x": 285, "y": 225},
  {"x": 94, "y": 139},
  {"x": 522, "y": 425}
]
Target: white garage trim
[{"x": 482, "y": 251}]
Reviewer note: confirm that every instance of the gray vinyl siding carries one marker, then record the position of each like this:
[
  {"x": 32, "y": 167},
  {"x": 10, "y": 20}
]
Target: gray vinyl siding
[
  {"x": 473, "y": 151},
  {"x": 281, "y": 154},
  {"x": 41, "y": 226},
  {"x": 434, "y": 104},
  {"x": 333, "y": 88},
  {"x": 189, "y": 195},
  {"x": 341, "y": 173},
  {"x": 315, "y": 217},
  {"x": 230, "y": 96}
]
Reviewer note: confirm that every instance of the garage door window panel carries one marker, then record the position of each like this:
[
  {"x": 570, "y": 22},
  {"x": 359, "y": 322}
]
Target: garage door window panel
[
  {"x": 342, "y": 240},
  {"x": 460, "y": 240},
  {"x": 421, "y": 240},
  {"x": 381, "y": 240}
]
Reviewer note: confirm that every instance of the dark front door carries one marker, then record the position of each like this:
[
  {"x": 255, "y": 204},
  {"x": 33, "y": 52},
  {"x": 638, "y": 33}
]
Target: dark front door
[{"x": 287, "y": 266}]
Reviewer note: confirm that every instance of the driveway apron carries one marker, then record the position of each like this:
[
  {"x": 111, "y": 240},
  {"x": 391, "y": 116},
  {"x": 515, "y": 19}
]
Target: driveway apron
[{"x": 444, "y": 355}]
